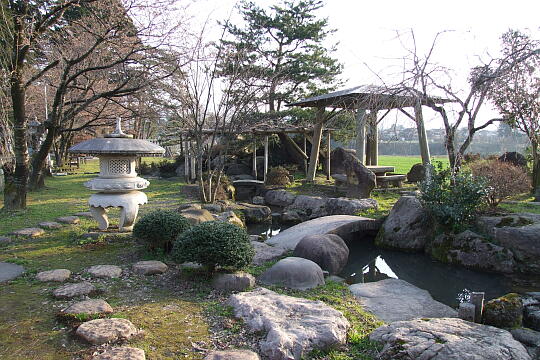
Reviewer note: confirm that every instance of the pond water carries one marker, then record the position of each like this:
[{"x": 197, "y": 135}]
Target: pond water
[{"x": 446, "y": 283}]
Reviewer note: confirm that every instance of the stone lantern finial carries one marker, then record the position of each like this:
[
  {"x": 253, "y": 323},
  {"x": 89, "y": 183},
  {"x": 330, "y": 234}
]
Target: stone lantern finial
[{"x": 118, "y": 133}]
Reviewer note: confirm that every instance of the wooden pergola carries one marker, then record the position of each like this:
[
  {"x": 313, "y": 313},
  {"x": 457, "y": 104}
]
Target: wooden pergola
[
  {"x": 265, "y": 130},
  {"x": 367, "y": 101}
]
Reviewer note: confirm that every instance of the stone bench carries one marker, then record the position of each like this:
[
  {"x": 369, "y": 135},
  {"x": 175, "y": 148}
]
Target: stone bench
[{"x": 387, "y": 180}]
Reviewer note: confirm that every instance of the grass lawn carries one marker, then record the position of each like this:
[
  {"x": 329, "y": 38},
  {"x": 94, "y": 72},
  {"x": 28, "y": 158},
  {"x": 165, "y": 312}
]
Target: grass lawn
[{"x": 403, "y": 164}]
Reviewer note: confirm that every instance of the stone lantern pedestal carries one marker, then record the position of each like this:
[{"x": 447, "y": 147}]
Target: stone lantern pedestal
[{"x": 118, "y": 184}]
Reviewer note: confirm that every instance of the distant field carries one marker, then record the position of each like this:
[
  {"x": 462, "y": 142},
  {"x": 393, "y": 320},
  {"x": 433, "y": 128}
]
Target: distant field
[{"x": 403, "y": 164}]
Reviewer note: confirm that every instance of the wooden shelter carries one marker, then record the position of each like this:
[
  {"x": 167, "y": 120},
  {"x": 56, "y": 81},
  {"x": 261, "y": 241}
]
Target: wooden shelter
[{"x": 367, "y": 101}]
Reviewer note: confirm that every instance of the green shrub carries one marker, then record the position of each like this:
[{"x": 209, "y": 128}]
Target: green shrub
[
  {"x": 278, "y": 176},
  {"x": 214, "y": 244},
  {"x": 160, "y": 228},
  {"x": 453, "y": 201}
]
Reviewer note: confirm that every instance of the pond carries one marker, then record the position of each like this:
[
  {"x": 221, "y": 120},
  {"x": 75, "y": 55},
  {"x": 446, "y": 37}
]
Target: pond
[{"x": 446, "y": 283}]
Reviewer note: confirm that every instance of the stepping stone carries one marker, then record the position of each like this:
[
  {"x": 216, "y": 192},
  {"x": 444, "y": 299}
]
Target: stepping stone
[
  {"x": 105, "y": 271},
  {"x": 68, "y": 220},
  {"x": 73, "y": 290},
  {"x": 4, "y": 240},
  {"x": 51, "y": 225},
  {"x": 151, "y": 267},
  {"x": 86, "y": 214},
  {"x": 238, "y": 281},
  {"x": 54, "y": 275},
  {"x": 89, "y": 307},
  {"x": 121, "y": 353},
  {"x": 29, "y": 232},
  {"x": 101, "y": 331},
  {"x": 9, "y": 271},
  {"x": 232, "y": 355}
]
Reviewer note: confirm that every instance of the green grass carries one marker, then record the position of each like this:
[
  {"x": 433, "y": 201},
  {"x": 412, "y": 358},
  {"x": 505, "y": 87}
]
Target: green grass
[{"x": 403, "y": 164}]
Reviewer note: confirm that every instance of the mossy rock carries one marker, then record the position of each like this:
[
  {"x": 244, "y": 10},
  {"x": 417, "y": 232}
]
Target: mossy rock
[
  {"x": 504, "y": 312},
  {"x": 513, "y": 222}
]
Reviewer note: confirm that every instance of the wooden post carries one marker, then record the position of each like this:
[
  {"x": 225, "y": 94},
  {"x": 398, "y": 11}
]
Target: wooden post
[
  {"x": 328, "y": 151},
  {"x": 193, "y": 173},
  {"x": 186, "y": 161},
  {"x": 305, "y": 152},
  {"x": 422, "y": 134},
  {"x": 254, "y": 157},
  {"x": 315, "y": 145},
  {"x": 265, "y": 157},
  {"x": 374, "y": 151},
  {"x": 361, "y": 134}
]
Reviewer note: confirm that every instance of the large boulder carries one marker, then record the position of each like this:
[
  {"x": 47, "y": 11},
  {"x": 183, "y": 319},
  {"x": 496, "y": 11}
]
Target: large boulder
[
  {"x": 238, "y": 281},
  {"x": 346, "y": 206},
  {"x": 265, "y": 252},
  {"x": 417, "y": 173},
  {"x": 446, "y": 339},
  {"x": 230, "y": 217},
  {"x": 407, "y": 227},
  {"x": 471, "y": 250},
  {"x": 504, "y": 312},
  {"x": 524, "y": 242},
  {"x": 514, "y": 158},
  {"x": 237, "y": 169},
  {"x": 489, "y": 224},
  {"x": 329, "y": 251},
  {"x": 279, "y": 198},
  {"x": 396, "y": 300},
  {"x": 293, "y": 326},
  {"x": 311, "y": 207},
  {"x": 531, "y": 317},
  {"x": 294, "y": 273},
  {"x": 196, "y": 216},
  {"x": 345, "y": 162},
  {"x": 255, "y": 214}
]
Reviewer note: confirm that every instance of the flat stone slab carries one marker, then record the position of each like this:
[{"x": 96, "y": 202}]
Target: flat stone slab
[
  {"x": 105, "y": 271},
  {"x": 51, "y": 225},
  {"x": 341, "y": 225},
  {"x": 292, "y": 326},
  {"x": 9, "y": 271},
  {"x": 86, "y": 214},
  {"x": 150, "y": 267},
  {"x": 446, "y": 339},
  {"x": 265, "y": 252},
  {"x": 395, "y": 300},
  {"x": 232, "y": 355},
  {"x": 54, "y": 275},
  {"x": 101, "y": 331},
  {"x": 73, "y": 290},
  {"x": 68, "y": 219},
  {"x": 28, "y": 232},
  {"x": 5, "y": 240},
  {"x": 121, "y": 353},
  {"x": 89, "y": 307}
]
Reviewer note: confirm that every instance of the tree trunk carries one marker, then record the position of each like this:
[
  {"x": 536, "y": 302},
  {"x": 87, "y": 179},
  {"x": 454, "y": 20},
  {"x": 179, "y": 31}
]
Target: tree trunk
[
  {"x": 451, "y": 150},
  {"x": 16, "y": 186},
  {"x": 315, "y": 145},
  {"x": 37, "y": 177},
  {"x": 535, "y": 171}
]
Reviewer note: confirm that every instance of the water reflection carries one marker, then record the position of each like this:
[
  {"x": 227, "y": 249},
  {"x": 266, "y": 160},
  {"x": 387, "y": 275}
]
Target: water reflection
[{"x": 447, "y": 284}]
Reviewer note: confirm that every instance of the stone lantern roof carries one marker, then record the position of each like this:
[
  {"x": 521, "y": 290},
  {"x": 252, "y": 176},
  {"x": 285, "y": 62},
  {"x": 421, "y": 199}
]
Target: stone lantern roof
[{"x": 117, "y": 143}]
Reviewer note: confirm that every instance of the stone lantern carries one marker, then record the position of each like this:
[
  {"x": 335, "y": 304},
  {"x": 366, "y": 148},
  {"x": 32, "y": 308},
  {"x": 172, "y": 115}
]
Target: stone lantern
[{"x": 117, "y": 184}]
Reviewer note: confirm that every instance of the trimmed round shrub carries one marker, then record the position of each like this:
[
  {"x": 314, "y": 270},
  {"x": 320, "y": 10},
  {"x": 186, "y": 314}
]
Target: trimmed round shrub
[
  {"x": 160, "y": 228},
  {"x": 214, "y": 244},
  {"x": 278, "y": 176}
]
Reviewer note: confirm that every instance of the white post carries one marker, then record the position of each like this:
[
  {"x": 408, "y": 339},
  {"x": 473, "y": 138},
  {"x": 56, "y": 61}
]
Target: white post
[
  {"x": 328, "y": 151},
  {"x": 361, "y": 134},
  {"x": 193, "y": 173},
  {"x": 254, "y": 157},
  {"x": 186, "y": 161},
  {"x": 305, "y": 152},
  {"x": 265, "y": 157}
]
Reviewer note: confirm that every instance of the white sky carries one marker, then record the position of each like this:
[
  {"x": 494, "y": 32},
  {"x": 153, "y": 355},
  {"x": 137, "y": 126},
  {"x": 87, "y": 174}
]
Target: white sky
[{"x": 366, "y": 33}]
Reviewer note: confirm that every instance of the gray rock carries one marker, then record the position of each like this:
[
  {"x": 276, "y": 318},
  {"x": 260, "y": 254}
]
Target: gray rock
[
  {"x": 215, "y": 208},
  {"x": 232, "y": 355},
  {"x": 68, "y": 220},
  {"x": 265, "y": 252},
  {"x": 335, "y": 278},
  {"x": 101, "y": 331},
  {"x": 504, "y": 312},
  {"x": 196, "y": 216},
  {"x": 446, "y": 339},
  {"x": 242, "y": 177},
  {"x": 309, "y": 207},
  {"x": 89, "y": 307},
  {"x": 344, "y": 161},
  {"x": 150, "y": 267},
  {"x": 230, "y": 217},
  {"x": 294, "y": 273},
  {"x": 279, "y": 198},
  {"x": 4, "y": 240},
  {"x": 471, "y": 250},
  {"x": 58, "y": 275},
  {"x": 105, "y": 271},
  {"x": 189, "y": 206},
  {"x": 417, "y": 173},
  {"x": 293, "y": 326},
  {"x": 257, "y": 200},
  {"x": 488, "y": 224},
  {"x": 527, "y": 337},
  {"x": 121, "y": 353},
  {"x": 237, "y": 169},
  {"x": 346, "y": 206},
  {"x": 329, "y": 251},
  {"x": 531, "y": 317},
  {"x": 28, "y": 232},
  {"x": 255, "y": 214},
  {"x": 341, "y": 225},
  {"x": 9, "y": 271},
  {"x": 238, "y": 281},
  {"x": 407, "y": 227},
  {"x": 524, "y": 242},
  {"x": 396, "y": 300},
  {"x": 289, "y": 217},
  {"x": 69, "y": 291},
  {"x": 86, "y": 214},
  {"x": 51, "y": 225}
]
